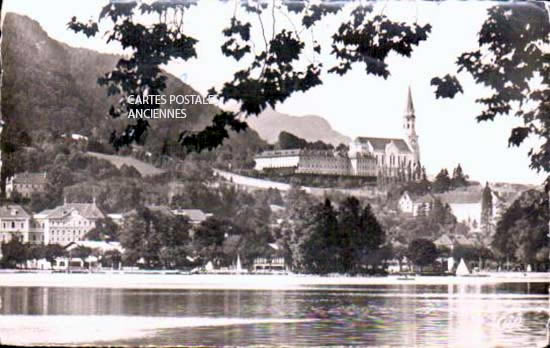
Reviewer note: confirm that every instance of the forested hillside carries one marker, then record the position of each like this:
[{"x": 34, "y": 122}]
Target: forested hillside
[{"x": 50, "y": 88}]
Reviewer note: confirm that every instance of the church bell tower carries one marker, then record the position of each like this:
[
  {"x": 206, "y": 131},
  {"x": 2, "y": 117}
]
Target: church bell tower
[{"x": 409, "y": 127}]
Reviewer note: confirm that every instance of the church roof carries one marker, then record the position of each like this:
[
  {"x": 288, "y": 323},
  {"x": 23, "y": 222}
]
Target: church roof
[{"x": 379, "y": 144}]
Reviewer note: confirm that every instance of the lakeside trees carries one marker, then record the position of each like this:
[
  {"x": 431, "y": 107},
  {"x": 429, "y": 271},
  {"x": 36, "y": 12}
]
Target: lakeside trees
[
  {"x": 15, "y": 252},
  {"x": 155, "y": 238},
  {"x": 343, "y": 240},
  {"x": 422, "y": 252},
  {"x": 499, "y": 19},
  {"x": 522, "y": 233}
]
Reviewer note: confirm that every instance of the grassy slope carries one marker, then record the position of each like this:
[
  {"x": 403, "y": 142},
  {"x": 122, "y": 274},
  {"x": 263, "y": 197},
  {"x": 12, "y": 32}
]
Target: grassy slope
[{"x": 143, "y": 168}]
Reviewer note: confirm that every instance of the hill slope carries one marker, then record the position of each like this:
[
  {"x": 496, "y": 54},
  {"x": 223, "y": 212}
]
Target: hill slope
[
  {"x": 145, "y": 169},
  {"x": 50, "y": 88}
]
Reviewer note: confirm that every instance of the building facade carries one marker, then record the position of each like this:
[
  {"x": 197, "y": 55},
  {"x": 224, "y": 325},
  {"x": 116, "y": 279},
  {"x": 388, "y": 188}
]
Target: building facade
[
  {"x": 26, "y": 184},
  {"x": 68, "y": 223},
  {"x": 17, "y": 222},
  {"x": 416, "y": 206},
  {"x": 366, "y": 157}
]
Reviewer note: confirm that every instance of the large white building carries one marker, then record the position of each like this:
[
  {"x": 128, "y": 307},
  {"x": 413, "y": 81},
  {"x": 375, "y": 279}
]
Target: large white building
[
  {"x": 367, "y": 156},
  {"x": 15, "y": 221},
  {"x": 68, "y": 223}
]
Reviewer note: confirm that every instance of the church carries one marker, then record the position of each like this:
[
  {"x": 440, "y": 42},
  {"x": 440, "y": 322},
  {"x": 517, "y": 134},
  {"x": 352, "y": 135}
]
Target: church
[{"x": 366, "y": 157}]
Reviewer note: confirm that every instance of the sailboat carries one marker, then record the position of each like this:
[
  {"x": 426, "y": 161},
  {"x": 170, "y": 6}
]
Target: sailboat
[
  {"x": 462, "y": 269},
  {"x": 239, "y": 267}
]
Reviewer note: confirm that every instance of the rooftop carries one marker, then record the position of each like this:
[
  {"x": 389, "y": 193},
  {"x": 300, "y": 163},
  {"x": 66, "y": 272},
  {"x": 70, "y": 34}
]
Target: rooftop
[
  {"x": 87, "y": 210},
  {"x": 195, "y": 215},
  {"x": 460, "y": 197},
  {"x": 29, "y": 178},
  {"x": 11, "y": 211},
  {"x": 279, "y": 153},
  {"x": 379, "y": 144}
]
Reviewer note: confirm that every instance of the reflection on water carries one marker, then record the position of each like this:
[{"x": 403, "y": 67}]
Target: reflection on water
[{"x": 504, "y": 315}]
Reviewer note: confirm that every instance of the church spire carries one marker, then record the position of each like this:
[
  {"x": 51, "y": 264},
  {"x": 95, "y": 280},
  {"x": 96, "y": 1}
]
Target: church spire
[
  {"x": 409, "y": 109},
  {"x": 409, "y": 126},
  {"x": 409, "y": 117}
]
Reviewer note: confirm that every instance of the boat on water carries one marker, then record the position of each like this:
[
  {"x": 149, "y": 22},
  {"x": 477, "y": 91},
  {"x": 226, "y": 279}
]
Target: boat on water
[
  {"x": 462, "y": 270},
  {"x": 238, "y": 268}
]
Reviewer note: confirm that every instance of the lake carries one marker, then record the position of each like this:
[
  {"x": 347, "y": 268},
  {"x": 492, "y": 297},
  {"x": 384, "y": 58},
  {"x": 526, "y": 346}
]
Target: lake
[{"x": 407, "y": 315}]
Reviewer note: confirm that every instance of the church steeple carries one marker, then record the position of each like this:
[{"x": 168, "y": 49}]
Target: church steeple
[
  {"x": 409, "y": 127},
  {"x": 409, "y": 109},
  {"x": 409, "y": 118}
]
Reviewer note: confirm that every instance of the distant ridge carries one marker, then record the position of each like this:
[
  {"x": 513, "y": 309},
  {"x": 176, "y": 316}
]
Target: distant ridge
[
  {"x": 51, "y": 88},
  {"x": 311, "y": 128}
]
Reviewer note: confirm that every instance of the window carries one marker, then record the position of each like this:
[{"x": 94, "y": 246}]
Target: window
[{"x": 12, "y": 224}]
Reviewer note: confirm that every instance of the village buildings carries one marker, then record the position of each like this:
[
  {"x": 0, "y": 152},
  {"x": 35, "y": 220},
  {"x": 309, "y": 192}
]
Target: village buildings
[
  {"x": 366, "y": 157},
  {"x": 64, "y": 224},
  {"x": 26, "y": 184},
  {"x": 416, "y": 205},
  {"x": 195, "y": 216},
  {"x": 466, "y": 205},
  {"x": 16, "y": 221},
  {"x": 69, "y": 222}
]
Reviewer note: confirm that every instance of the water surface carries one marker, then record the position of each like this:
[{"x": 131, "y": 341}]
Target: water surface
[{"x": 408, "y": 315}]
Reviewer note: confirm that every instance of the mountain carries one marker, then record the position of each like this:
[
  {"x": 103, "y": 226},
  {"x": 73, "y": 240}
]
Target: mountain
[
  {"x": 50, "y": 88},
  {"x": 311, "y": 128}
]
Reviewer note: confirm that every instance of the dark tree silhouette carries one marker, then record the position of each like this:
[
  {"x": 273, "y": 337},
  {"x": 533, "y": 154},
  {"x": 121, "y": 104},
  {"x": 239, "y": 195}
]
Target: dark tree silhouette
[
  {"x": 522, "y": 231},
  {"x": 422, "y": 252},
  {"x": 442, "y": 182},
  {"x": 514, "y": 62},
  {"x": 274, "y": 74}
]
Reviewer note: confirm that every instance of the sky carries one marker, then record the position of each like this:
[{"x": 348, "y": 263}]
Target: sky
[{"x": 355, "y": 104}]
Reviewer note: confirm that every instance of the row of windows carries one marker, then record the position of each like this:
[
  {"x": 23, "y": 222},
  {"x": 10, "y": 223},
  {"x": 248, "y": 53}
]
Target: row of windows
[
  {"x": 27, "y": 186},
  {"x": 12, "y": 225},
  {"x": 6, "y": 237},
  {"x": 328, "y": 166},
  {"x": 80, "y": 223},
  {"x": 63, "y": 232},
  {"x": 65, "y": 239},
  {"x": 393, "y": 160}
]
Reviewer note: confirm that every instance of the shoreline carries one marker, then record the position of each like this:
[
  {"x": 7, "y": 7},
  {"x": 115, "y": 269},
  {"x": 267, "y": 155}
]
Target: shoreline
[{"x": 246, "y": 282}]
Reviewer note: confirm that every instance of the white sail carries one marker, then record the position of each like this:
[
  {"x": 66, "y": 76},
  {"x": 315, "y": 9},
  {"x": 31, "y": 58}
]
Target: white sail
[
  {"x": 239, "y": 267},
  {"x": 462, "y": 269},
  {"x": 209, "y": 266}
]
